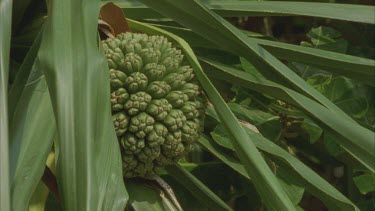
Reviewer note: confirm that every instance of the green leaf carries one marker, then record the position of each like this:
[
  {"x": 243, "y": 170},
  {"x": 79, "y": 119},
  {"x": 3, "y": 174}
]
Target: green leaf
[
  {"x": 312, "y": 129},
  {"x": 334, "y": 149},
  {"x": 249, "y": 68},
  {"x": 5, "y": 35},
  {"x": 290, "y": 166},
  {"x": 22, "y": 76},
  {"x": 201, "y": 20},
  {"x": 30, "y": 143},
  {"x": 89, "y": 170},
  {"x": 357, "y": 140},
  {"x": 357, "y": 13},
  {"x": 294, "y": 190},
  {"x": 267, "y": 124},
  {"x": 346, "y": 12},
  {"x": 32, "y": 130},
  {"x": 197, "y": 188},
  {"x": 354, "y": 67},
  {"x": 328, "y": 39},
  {"x": 265, "y": 182},
  {"x": 343, "y": 92},
  {"x": 365, "y": 183},
  {"x": 142, "y": 197}
]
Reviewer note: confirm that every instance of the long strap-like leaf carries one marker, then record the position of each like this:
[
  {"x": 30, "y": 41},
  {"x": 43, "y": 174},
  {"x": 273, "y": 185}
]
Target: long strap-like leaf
[
  {"x": 345, "y": 12},
  {"x": 89, "y": 169},
  {"x": 265, "y": 182},
  {"x": 353, "y": 67},
  {"x": 193, "y": 14},
  {"x": 5, "y": 33},
  {"x": 357, "y": 140}
]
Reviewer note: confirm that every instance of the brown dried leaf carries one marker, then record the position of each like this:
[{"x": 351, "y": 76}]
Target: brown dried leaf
[{"x": 115, "y": 18}]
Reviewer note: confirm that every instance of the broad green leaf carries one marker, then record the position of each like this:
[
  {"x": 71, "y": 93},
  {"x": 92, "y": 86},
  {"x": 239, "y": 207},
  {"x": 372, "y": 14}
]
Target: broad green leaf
[
  {"x": 5, "y": 35},
  {"x": 294, "y": 190},
  {"x": 312, "y": 129},
  {"x": 357, "y": 140},
  {"x": 343, "y": 92},
  {"x": 346, "y": 12},
  {"x": 327, "y": 38},
  {"x": 265, "y": 182},
  {"x": 354, "y": 67},
  {"x": 197, "y": 188},
  {"x": 365, "y": 183},
  {"x": 333, "y": 147},
  {"x": 145, "y": 197},
  {"x": 88, "y": 169}
]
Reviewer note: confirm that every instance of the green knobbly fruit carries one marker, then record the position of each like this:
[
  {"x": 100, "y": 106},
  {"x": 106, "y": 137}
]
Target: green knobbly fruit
[
  {"x": 141, "y": 125},
  {"x": 190, "y": 111},
  {"x": 137, "y": 102},
  {"x": 132, "y": 144},
  {"x": 177, "y": 98},
  {"x": 117, "y": 79},
  {"x": 157, "y": 105},
  {"x": 118, "y": 99},
  {"x": 136, "y": 82},
  {"x": 121, "y": 122},
  {"x": 175, "y": 120},
  {"x": 154, "y": 71},
  {"x": 159, "y": 109},
  {"x": 191, "y": 90}
]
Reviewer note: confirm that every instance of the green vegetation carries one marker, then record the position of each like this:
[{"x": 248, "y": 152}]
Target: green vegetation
[{"x": 187, "y": 105}]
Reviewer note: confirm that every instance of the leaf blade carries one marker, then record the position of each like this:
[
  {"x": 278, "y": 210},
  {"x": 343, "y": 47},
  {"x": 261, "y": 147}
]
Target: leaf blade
[
  {"x": 345, "y": 12},
  {"x": 89, "y": 168},
  {"x": 267, "y": 184},
  {"x": 5, "y": 35},
  {"x": 361, "y": 148}
]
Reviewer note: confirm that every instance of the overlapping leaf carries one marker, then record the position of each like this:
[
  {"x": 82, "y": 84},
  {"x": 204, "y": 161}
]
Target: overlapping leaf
[
  {"x": 265, "y": 182},
  {"x": 357, "y": 140},
  {"x": 89, "y": 169},
  {"x": 346, "y": 12},
  {"x": 5, "y": 33}
]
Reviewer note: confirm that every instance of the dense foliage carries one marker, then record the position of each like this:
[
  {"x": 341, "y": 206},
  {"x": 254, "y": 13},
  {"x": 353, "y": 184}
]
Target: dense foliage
[{"x": 91, "y": 109}]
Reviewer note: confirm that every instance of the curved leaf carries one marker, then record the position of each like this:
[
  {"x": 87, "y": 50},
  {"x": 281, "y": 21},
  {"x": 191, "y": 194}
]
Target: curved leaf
[
  {"x": 142, "y": 197},
  {"x": 89, "y": 169},
  {"x": 30, "y": 143},
  {"x": 345, "y": 12},
  {"x": 356, "y": 139},
  {"x": 353, "y": 67},
  {"x": 289, "y": 165},
  {"x": 265, "y": 182}
]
